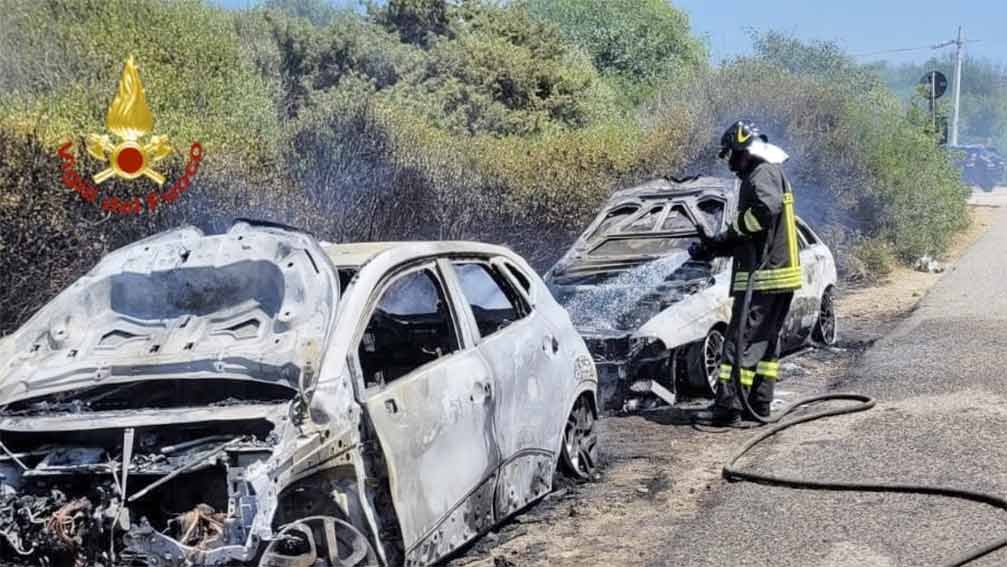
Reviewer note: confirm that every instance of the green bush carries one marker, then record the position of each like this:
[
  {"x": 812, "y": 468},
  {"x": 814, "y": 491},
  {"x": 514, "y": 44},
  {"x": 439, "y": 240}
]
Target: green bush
[
  {"x": 634, "y": 42},
  {"x": 917, "y": 194},
  {"x": 199, "y": 83},
  {"x": 873, "y": 259}
]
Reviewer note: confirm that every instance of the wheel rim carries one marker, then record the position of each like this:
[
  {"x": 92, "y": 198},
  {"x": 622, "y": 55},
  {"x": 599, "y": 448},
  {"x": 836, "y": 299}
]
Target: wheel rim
[
  {"x": 579, "y": 441},
  {"x": 827, "y": 320},
  {"x": 713, "y": 354}
]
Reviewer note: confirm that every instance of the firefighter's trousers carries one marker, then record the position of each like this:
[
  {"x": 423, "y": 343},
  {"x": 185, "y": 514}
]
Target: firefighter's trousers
[{"x": 760, "y": 358}]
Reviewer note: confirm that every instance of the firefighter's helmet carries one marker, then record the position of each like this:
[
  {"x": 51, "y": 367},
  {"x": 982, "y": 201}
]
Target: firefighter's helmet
[{"x": 739, "y": 137}]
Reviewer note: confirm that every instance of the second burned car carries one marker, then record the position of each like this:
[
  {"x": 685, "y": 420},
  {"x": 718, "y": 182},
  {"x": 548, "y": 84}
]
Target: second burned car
[{"x": 653, "y": 318}]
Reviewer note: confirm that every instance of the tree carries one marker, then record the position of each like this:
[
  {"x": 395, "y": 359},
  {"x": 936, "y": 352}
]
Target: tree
[
  {"x": 417, "y": 21},
  {"x": 637, "y": 40}
]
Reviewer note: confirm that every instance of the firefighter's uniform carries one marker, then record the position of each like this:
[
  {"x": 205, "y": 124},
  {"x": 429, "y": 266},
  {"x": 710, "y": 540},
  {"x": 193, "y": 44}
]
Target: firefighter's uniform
[{"x": 763, "y": 239}]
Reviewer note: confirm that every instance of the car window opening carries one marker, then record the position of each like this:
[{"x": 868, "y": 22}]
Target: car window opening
[
  {"x": 520, "y": 276},
  {"x": 495, "y": 304},
  {"x": 646, "y": 222},
  {"x": 677, "y": 220},
  {"x": 806, "y": 234},
  {"x": 713, "y": 211},
  {"x": 411, "y": 326},
  {"x": 346, "y": 275},
  {"x": 614, "y": 218}
]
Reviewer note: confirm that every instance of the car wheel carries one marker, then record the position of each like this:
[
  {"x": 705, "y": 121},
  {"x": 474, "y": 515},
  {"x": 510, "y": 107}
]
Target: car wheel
[
  {"x": 580, "y": 442},
  {"x": 703, "y": 360},
  {"x": 826, "y": 329},
  {"x": 316, "y": 539}
]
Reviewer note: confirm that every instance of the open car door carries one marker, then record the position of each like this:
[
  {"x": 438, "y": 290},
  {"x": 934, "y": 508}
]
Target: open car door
[{"x": 429, "y": 397}]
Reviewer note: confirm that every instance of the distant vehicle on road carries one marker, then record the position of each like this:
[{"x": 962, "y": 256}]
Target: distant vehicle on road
[
  {"x": 651, "y": 314},
  {"x": 981, "y": 166},
  {"x": 260, "y": 398}
]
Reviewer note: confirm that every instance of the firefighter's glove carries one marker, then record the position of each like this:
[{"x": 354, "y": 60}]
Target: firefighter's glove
[{"x": 699, "y": 252}]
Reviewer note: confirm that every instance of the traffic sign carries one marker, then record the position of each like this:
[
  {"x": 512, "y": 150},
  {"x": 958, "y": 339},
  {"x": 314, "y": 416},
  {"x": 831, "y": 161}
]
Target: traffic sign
[{"x": 937, "y": 81}]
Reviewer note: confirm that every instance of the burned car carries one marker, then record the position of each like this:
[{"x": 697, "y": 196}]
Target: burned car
[
  {"x": 981, "y": 166},
  {"x": 260, "y": 398},
  {"x": 653, "y": 318}
]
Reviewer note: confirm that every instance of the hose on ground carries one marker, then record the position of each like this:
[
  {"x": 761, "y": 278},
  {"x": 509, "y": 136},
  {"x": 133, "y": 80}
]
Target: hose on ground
[{"x": 732, "y": 473}]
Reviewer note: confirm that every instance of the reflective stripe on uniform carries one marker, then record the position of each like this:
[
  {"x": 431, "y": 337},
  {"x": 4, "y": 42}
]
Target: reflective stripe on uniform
[
  {"x": 769, "y": 369},
  {"x": 725, "y": 372},
  {"x": 749, "y": 222},
  {"x": 747, "y": 376},
  {"x": 767, "y": 280},
  {"x": 789, "y": 220}
]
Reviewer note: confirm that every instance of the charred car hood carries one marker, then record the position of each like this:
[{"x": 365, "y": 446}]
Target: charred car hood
[{"x": 254, "y": 304}]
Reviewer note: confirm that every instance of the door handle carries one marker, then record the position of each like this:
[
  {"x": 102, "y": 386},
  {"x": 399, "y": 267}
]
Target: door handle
[
  {"x": 550, "y": 342},
  {"x": 391, "y": 407},
  {"x": 481, "y": 391}
]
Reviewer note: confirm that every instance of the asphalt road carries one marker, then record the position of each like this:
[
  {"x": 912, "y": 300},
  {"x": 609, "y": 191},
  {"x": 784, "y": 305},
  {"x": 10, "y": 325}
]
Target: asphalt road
[{"x": 941, "y": 382}]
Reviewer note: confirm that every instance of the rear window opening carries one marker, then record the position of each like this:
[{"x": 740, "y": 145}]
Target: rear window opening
[{"x": 153, "y": 394}]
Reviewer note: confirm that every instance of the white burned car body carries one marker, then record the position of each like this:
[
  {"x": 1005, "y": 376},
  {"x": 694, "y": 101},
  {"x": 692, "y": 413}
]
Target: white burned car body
[
  {"x": 260, "y": 398},
  {"x": 649, "y": 313}
]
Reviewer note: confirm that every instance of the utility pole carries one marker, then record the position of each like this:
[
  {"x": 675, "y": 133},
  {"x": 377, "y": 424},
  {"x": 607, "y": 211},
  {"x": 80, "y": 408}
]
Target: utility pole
[
  {"x": 959, "y": 50},
  {"x": 959, "y": 44}
]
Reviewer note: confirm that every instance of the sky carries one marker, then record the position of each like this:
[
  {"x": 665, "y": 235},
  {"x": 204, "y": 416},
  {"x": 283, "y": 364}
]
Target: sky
[{"x": 859, "y": 26}]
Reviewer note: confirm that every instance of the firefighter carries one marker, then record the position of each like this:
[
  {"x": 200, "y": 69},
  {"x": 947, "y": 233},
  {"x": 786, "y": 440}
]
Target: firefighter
[{"x": 762, "y": 239}]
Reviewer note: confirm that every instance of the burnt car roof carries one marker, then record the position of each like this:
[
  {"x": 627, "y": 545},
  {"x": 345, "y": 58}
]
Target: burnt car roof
[
  {"x": 664, "y": 188},
  {"x": 355, "y": 255}
]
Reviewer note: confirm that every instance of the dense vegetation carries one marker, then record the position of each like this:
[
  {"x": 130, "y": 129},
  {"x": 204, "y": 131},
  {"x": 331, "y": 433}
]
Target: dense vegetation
[
  {"x": 507, "y": 122},
  {"x": 984, "y": 95}
]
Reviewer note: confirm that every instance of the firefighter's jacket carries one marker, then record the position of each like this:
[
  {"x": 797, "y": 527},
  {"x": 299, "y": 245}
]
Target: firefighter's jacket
[{"x": 765, "y": 214}]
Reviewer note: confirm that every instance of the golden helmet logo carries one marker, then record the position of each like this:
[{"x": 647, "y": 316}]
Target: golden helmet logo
[
  {"x": 130, "y": 156},
  {"x": 742, "y": 137},
  {"x": 130, "y": 119}
]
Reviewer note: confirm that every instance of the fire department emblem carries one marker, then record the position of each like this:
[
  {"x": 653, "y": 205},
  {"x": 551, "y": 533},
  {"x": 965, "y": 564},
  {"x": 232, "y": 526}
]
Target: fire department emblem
[
  {"x": 133, "y": 153},
  {"x": 129, "y": 118}
]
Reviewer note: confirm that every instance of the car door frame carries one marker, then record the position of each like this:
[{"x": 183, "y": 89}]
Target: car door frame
[
  {"x": 527, "y": 461},
  {"x": 803, "y": 313},
  {"x": 425, "y": 537},
  {"x": 794, "y": 331},
  {"x": 824, "y": 270}
]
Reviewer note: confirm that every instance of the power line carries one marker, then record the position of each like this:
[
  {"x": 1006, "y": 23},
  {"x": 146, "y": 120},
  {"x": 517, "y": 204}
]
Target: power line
[
  {"x": 908, "y": 49},
  {"x": 886, "y": 51}
]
